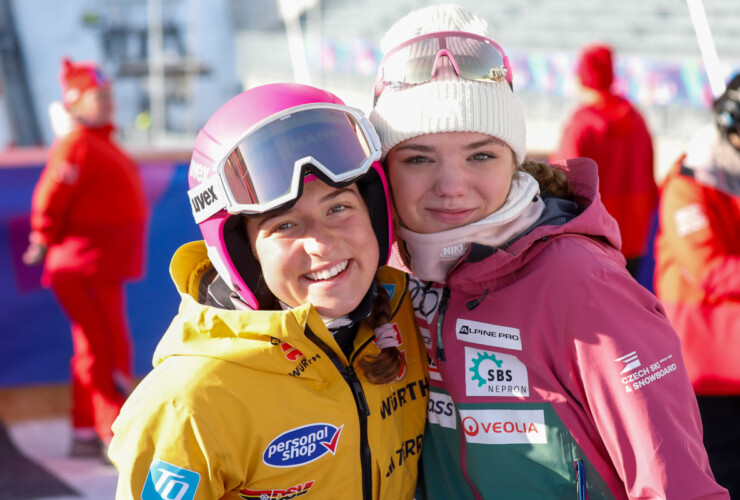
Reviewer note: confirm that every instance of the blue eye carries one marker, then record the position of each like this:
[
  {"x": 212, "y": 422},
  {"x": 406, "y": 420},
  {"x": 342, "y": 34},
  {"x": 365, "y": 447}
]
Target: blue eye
[{"x": 337, "y": 208}]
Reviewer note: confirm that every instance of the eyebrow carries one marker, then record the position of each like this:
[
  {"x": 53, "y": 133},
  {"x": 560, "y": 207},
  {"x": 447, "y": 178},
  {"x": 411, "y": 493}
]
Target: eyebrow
[
  {"x": 327, "y": 197},
  {"x": 473, "y": 145}
]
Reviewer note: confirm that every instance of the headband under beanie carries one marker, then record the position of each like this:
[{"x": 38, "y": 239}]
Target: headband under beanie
[{"x": 447, "y": 104}]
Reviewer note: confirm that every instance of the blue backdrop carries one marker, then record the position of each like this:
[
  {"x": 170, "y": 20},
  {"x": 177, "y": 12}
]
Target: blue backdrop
[{"x": 35, "y": 340}]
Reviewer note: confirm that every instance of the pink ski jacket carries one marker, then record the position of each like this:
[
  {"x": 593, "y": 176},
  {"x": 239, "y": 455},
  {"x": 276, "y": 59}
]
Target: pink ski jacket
[{"x": 553, "y": 373}]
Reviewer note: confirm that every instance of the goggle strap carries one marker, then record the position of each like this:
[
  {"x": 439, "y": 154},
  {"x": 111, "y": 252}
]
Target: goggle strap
[{"x": 207, "y": 198}]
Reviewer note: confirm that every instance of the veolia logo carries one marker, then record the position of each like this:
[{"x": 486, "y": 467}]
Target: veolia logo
[{"x": 302, "y": 445}]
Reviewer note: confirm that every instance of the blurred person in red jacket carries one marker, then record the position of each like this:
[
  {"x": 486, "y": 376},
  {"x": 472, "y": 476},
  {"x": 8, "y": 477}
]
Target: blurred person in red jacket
[
  {"x": 88, "y": 224},
  {"x": 697, "y": 275},
  {"x": 608, "y": 129}
]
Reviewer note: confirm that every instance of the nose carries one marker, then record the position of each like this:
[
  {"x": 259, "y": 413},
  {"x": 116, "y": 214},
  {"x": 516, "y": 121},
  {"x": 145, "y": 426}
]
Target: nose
[
  {"x": 319, "y": 239},
  {"x": 451, "y": 180}
]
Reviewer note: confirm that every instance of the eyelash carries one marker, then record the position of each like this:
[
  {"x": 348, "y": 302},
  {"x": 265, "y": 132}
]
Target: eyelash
[
  {"x": 339, "y": 207},
  {"x": 415, "y": 160}
]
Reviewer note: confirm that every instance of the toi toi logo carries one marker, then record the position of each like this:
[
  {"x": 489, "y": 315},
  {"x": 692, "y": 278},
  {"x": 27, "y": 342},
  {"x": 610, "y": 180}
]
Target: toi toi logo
[{"x": 169, "y": 482}]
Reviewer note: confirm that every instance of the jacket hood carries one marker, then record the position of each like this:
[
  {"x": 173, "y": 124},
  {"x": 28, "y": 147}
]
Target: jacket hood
[
  {"x": 236, "y": 336},
  {"x": 594, "y": 221},
  {"x": 591, "y": 220}
]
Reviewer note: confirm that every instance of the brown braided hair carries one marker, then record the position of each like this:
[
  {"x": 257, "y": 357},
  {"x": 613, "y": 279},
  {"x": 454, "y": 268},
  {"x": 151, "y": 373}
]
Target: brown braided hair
[
  {"x": 552, "y": 180},
  {"x": 384, "y": 367}
]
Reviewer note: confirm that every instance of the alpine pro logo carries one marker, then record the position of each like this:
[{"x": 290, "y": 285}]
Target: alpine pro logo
[
  {"x": 206, "y": 199},
  {"x": 302, "y": 445},
  {"x": 475, "y": 332}
]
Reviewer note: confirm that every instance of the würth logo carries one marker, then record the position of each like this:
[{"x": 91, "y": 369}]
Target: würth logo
[{"x": 204, "y": 199}]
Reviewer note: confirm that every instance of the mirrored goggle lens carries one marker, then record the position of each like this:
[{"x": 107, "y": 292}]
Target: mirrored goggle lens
[
  {"x": 413, "y": 64},
  {"x": 261, "y": 169}
]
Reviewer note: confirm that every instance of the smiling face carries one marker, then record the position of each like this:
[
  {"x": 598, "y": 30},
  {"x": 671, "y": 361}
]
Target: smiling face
[
  {"x": 448, "y": 180},
  {"x": 323, "y": 250}
]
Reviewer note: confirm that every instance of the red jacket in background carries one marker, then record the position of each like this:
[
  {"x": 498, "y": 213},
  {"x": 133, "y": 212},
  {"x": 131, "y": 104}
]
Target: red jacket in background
[
  {"x": 697, "y": 277},
  {"x": 613, "y": 134},
  {"x": 90, "y": 208}
]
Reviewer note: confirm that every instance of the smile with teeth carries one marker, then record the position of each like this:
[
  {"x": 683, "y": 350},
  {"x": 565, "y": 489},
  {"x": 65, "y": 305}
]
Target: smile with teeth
[{"x": 327, "y": 273}]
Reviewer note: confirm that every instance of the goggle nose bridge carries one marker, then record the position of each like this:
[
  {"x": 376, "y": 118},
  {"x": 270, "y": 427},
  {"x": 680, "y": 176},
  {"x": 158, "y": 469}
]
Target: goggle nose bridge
[{"x": 444, "y": 52}]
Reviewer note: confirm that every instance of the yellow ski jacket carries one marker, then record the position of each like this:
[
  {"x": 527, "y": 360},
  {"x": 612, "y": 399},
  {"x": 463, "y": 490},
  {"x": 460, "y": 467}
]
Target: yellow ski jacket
[{"x": 264, "y": 405}]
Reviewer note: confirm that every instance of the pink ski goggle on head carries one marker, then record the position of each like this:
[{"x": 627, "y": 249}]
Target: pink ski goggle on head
[{"x": 416, "y": 61}]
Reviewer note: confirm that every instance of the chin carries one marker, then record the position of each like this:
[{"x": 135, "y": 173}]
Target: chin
[{"x": 334, "y": 311}]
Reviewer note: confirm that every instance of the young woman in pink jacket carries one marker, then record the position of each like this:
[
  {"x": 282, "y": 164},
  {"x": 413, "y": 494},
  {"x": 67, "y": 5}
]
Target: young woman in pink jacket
[{"x": 553, "y": 373}]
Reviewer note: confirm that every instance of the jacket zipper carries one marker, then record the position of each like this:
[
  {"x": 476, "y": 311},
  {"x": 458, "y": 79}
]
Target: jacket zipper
[
  {"x": 581, "y": 489},
  {"x": 363, "y": 411},
  {"x": 440, "y": 320}
]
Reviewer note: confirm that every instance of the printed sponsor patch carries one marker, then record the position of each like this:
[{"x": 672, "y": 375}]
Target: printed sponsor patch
[
  {"x": 405, "y": 449},
  {"x": 441, "y": 410},
  {"x": 207, "y": 198},
  {"x": 390, "y": 289},
  {"x": 424, "y": 298},
  {"x": 494, "y": 374},
  {"x": 503, "y": 337},
  {"x": 433, "y": 370},
  {"x": 290, "y": 352},
  {"x": 504, "y": 426},
  {"x": 277, "y": 494},
  {"x": 631, "y": 362},
  {"x": 169, "y": 482},
  {"x": 403, "y": 395},
  {"x": 635, "y": 376},
  {"x": 690, "y": 219},
  {"x": 427, "y": 336},
  {"x": 302, "y": 445}
]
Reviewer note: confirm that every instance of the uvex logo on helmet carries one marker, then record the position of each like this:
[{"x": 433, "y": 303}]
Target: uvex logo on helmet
[{"x": 207, "y": 198}]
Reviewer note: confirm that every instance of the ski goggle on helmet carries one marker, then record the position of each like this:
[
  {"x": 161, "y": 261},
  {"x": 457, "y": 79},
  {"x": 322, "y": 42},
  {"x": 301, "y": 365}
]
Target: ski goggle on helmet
[
  {"x": 254, "y": 155},
  {"x": 416, "y": 61}
]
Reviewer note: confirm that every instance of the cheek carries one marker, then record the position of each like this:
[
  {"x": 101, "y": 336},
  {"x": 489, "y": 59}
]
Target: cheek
[
  {"x": 273, "y": 262},
  {"x": 405, "y": 190}
]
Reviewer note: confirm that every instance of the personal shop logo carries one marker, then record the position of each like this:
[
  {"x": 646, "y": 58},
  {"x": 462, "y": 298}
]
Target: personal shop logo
[{"x": 302, "y": 445}]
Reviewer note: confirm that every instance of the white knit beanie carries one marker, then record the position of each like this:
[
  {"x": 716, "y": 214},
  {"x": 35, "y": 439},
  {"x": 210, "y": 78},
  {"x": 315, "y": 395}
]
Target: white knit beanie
[{"x": 448, "y": 103}]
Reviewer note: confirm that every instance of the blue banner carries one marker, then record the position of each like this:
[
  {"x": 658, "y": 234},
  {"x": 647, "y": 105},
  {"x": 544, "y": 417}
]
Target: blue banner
[{"x": 35, "y": 338}]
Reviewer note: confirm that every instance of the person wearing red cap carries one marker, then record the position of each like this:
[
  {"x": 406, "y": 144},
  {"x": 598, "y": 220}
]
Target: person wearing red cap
[
  {"x": 88, "y": 222},
  {"x": 697, "y": 274},
  {"x": 608, "y": 129}
]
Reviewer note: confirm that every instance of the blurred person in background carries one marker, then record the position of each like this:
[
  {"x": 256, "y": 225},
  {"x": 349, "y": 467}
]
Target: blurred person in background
[
  {"x": 88, "y": 224},
  {"x": 697, "y": 275},
  {"x": 553, "y": 373},
  {"x": 608, "y": 129}
]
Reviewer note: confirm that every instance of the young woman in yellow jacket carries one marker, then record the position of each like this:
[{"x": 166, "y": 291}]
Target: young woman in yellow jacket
[{"x": 294, "y": 365}]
